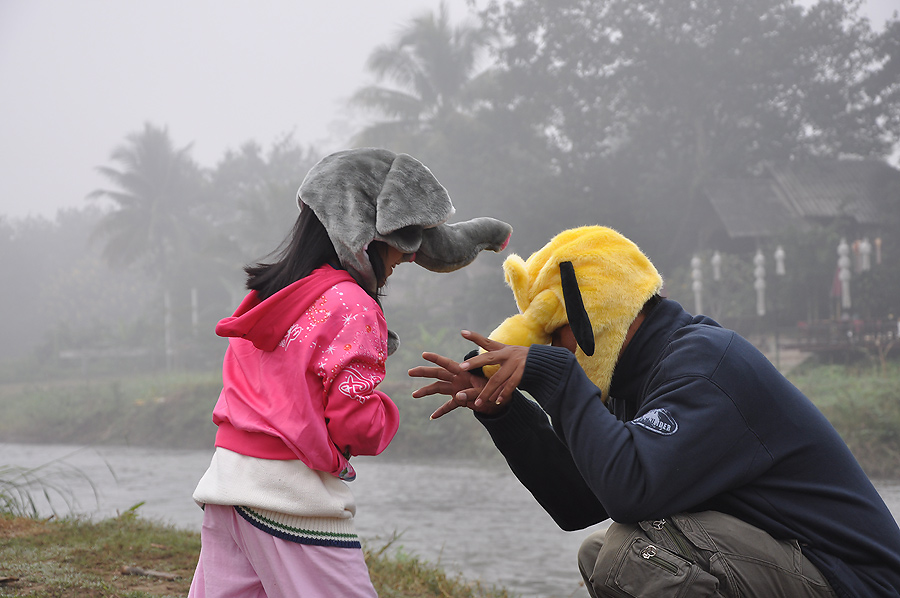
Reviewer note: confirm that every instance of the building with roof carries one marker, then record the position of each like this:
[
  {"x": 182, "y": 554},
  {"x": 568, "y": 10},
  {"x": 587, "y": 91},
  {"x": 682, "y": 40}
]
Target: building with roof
[
  {"x": 858, "y": 197},
  {"x": 858, "y": 201}
]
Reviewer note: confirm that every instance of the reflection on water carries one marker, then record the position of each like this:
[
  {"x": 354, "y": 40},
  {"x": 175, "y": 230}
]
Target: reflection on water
[{"x": 474, "y": 520}]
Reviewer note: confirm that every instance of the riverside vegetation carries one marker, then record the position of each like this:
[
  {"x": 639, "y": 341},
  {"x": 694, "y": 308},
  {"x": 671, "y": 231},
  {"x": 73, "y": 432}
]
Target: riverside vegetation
[
  {"x": 72, "y": 556},
  {"x": 174, "y": 410}
]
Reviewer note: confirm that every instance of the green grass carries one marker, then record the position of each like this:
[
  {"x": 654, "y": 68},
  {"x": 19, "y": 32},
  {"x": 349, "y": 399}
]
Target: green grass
[
  {"x": 175, "y": 411},
  {"x": 75, "y": 557},
  {"x": 862, "y": 401},
  {"x": 166, "y": 410},
  {"x": 20, "y": 487}
]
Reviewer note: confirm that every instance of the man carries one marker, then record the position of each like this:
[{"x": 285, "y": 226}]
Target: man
[{"x": 721, "y": 477}]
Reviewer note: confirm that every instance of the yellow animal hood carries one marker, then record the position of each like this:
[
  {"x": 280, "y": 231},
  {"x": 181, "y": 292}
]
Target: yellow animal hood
[{"x": 591, "y": 265}]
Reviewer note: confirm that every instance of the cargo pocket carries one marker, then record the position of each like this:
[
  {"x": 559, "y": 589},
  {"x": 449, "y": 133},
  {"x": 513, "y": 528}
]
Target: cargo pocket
[{"x": 647, "y": 569}]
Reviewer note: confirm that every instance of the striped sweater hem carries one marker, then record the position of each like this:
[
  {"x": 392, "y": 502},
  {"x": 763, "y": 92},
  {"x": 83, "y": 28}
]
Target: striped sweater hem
[{"x": 313, "y": 531}]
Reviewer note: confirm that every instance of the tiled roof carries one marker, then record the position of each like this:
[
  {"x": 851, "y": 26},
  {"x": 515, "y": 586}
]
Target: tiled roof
[
  {"x": 758, "y": 207},
  {"x": 829, "y": 191},
  {"x": 748, "y": 207}
]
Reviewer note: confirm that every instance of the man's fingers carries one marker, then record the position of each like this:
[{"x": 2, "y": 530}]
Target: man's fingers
[
  {"x": 491, "y": 390},
  {"x": 482, "y": 341},
  {"x": 441, "y": 361}
]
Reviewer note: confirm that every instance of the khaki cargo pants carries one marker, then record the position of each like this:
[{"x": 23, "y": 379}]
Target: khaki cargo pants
[{"x": 696, "y": 555}]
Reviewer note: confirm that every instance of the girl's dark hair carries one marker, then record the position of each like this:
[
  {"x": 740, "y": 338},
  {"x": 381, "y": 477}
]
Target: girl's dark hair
[{"x": 306, "y": 248}]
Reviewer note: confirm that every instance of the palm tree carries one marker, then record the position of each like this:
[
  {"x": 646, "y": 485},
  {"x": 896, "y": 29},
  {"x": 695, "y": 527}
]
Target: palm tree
[
  {"x": 432, "y": 66},
  {"x": 156, "y": 189}
]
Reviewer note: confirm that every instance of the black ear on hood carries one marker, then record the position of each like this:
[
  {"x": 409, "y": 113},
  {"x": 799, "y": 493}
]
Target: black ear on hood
[{"x": 577, "y": 314}]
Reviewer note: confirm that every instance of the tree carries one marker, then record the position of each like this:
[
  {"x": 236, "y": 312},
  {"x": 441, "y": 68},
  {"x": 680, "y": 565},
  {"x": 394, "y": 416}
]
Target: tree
[
  {"x": 153, "y": 220},
  {"x": 642, "y": 101},
  {"x": 431, "y": 71},
  {"x": 882, "y": 85},
  {"x": 155, "y": 190},
  {"x": 66, "y": 299},
  {"x": 252, "y": 197}
]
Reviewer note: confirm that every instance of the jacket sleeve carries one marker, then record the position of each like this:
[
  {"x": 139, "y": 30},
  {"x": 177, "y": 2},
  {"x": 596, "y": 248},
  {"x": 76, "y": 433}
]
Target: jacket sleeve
[
  {"x": 542, "y": 462},
  {"x": 361, "y": 420},
  {"x": 640, "y": 470}
]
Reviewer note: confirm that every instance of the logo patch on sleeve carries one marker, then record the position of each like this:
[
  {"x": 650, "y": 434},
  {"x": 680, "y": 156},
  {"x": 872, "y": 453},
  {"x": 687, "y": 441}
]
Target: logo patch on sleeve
[{"x": 659, "y": 421}]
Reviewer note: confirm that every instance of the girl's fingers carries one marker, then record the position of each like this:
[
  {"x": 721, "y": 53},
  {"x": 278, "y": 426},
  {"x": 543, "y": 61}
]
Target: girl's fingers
[
  {"x": 444, "y": 409},
  {"x": 435, "y": 388},
  {"x": 423, "y": 371}
]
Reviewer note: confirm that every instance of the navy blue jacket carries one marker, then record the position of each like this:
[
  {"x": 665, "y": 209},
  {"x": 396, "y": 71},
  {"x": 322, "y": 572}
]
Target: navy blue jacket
[{"x": 698, "y": 420}]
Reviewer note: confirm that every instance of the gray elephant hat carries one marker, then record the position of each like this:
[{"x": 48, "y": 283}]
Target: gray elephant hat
[{"x": 367, "y": 194}]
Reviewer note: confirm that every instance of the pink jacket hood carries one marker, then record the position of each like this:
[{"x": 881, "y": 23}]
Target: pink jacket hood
[{"x": 265, "y": 323}]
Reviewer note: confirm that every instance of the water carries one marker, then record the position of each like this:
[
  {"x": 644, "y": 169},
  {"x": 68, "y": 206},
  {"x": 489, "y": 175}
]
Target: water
[{"x": 473, "y": 520}]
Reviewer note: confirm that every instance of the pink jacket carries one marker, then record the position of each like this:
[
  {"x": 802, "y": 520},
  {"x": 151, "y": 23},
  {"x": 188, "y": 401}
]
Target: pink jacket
[{"x": 300, "y": 373}]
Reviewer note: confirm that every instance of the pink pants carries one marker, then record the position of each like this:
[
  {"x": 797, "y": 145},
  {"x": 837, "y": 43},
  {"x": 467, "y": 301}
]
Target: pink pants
[{"x": 238, "y": 560}]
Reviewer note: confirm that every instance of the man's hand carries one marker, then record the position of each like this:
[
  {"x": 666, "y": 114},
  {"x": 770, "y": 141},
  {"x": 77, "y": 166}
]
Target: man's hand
[
  {"x": 453, "y": 381},
  {"x": 470, "y": 390},
  {"x": 511, "y": 362}
]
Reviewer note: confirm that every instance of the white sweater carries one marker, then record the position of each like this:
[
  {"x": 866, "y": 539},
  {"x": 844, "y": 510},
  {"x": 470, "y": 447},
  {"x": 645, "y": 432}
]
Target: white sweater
[{"x": 282, "y": 497}]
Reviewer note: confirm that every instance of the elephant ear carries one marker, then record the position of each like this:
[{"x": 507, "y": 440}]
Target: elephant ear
[
  {"x": 575, "y": 310},
  {"x": 410, "y": 196},
  {"x": 449, "y": 247}
]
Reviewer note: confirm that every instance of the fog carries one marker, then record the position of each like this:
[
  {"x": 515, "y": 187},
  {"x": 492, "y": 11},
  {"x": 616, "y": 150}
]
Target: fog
[
  {"x": 84, "y": 79},
  {"x": 79, "y": 76}
]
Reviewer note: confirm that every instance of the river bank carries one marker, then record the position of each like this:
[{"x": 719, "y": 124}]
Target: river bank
[
  {"x": 133, "y": 557},
  {"x": 467, "y": 518},
  {"x": 455, "y": 504},
  {"x": 173, "y": 410}
]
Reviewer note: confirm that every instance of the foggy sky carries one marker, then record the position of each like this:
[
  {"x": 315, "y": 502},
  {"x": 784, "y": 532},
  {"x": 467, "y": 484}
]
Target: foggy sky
[{"x": 79, "y": 75}]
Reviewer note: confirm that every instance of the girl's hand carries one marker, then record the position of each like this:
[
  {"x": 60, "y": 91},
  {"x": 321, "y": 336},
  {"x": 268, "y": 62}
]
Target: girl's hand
[{"x": 451, "y": 380}]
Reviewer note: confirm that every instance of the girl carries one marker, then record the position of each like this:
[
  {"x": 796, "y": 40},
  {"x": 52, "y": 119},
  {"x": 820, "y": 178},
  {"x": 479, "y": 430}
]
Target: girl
[{"x": 307, "y": 348}]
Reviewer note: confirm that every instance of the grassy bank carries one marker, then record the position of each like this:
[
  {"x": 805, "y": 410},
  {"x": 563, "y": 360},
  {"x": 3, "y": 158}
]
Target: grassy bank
[
  {"x": 128, "y": 557},
  {"x": 175, "y": 411},
  {"x": 860, "y": 399}
]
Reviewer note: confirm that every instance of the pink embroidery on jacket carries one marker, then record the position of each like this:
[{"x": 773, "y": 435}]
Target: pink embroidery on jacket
[{"x": 356, "y": 385}]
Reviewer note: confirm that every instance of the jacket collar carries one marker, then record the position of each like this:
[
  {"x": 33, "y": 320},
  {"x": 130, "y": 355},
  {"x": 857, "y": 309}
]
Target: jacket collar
[{"x": 642, "y": 353}]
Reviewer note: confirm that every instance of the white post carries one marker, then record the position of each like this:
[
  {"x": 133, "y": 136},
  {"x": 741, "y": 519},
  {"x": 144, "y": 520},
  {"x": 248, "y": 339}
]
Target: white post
[
  {"x": 697, "y": 285},
  {"x": 195, "y": 311},
  {"x": 844, "y": 273},
  {"x": 759, "y": 260},
  {"x": 167, "y": 306},
  {"x": 779, "y": 261},
  {"x": 865, "y": 254},
  {"x": 717, "y": 266}
]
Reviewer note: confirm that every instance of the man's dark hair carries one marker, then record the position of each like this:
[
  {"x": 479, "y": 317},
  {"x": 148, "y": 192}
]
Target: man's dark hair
[
  {"x": 306, "y": 248},
  {"x": 651, "y": 303}
]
